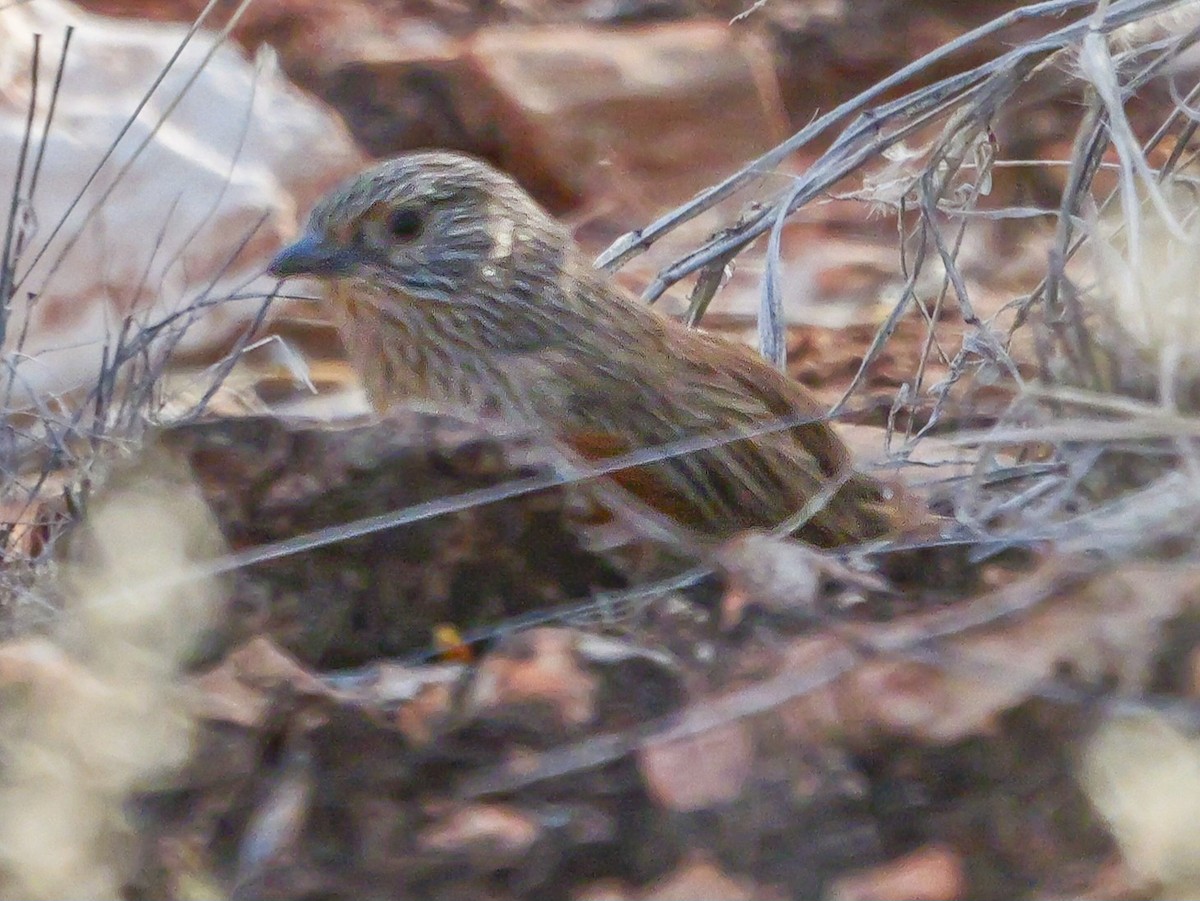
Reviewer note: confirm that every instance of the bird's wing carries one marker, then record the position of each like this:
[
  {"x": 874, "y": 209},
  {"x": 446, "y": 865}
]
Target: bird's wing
[{"x": 688, "y": 401}]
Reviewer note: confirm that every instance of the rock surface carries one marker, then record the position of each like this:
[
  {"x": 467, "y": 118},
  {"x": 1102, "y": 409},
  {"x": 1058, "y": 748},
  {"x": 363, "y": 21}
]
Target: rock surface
[
  {"x": 662, "y": 97},
  {"x": 387, "y": 592},
  {"x": 186, "y": 197},
  {"x": 447, "y": 73}
]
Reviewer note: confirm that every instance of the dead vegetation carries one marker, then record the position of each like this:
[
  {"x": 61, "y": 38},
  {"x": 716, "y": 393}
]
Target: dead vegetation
[{"x": 765, "y": 721}]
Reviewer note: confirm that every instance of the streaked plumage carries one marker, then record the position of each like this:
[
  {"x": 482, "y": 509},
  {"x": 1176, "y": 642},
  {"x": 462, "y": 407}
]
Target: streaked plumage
[{"x": 453, "y": 287}]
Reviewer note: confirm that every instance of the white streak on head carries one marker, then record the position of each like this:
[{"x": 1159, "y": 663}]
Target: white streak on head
[{"x": 502, "y": 238}]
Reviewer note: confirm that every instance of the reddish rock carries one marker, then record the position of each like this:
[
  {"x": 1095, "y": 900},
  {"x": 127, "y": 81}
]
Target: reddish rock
[
  {"x": 662, "y": 109},
  {"x": 540, "y": 668},
  {"x": 699, "y": 771},
  {"x": 932, "y": 873},
  {"x": 670, "y": 94},
  {"x": 491, "y": 836},
  {"x": 698, "y": 877},
  {"x": 667, "y": 109}
]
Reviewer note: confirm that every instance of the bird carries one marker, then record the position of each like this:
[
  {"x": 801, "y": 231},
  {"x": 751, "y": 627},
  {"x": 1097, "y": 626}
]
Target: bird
[{"x": 451, "y": 286}]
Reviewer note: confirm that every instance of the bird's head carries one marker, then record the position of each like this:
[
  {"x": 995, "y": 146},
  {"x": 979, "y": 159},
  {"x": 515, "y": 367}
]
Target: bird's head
[{"x": 435, "y": 227}]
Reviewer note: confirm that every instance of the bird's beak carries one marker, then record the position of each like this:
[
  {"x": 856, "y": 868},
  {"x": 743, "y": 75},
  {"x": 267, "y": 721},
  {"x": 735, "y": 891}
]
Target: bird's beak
[{"x": 311, "y": 256}]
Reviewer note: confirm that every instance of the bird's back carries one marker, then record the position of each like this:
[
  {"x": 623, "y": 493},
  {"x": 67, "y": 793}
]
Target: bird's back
[{"x": 678, "y": 389}]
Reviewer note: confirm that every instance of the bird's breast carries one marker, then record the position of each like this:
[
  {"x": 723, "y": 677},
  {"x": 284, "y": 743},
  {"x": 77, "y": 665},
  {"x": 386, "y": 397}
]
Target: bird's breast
[{"x": 404, "y": 354}]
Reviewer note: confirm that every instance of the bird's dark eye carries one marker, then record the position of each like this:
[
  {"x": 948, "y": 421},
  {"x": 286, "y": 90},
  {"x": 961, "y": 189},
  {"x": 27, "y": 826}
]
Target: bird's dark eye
[{"x": 405, "y": 224}]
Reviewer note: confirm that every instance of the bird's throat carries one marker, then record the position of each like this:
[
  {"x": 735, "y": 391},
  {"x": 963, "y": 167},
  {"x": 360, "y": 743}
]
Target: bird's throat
[{"x": 406, "y": 355}]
